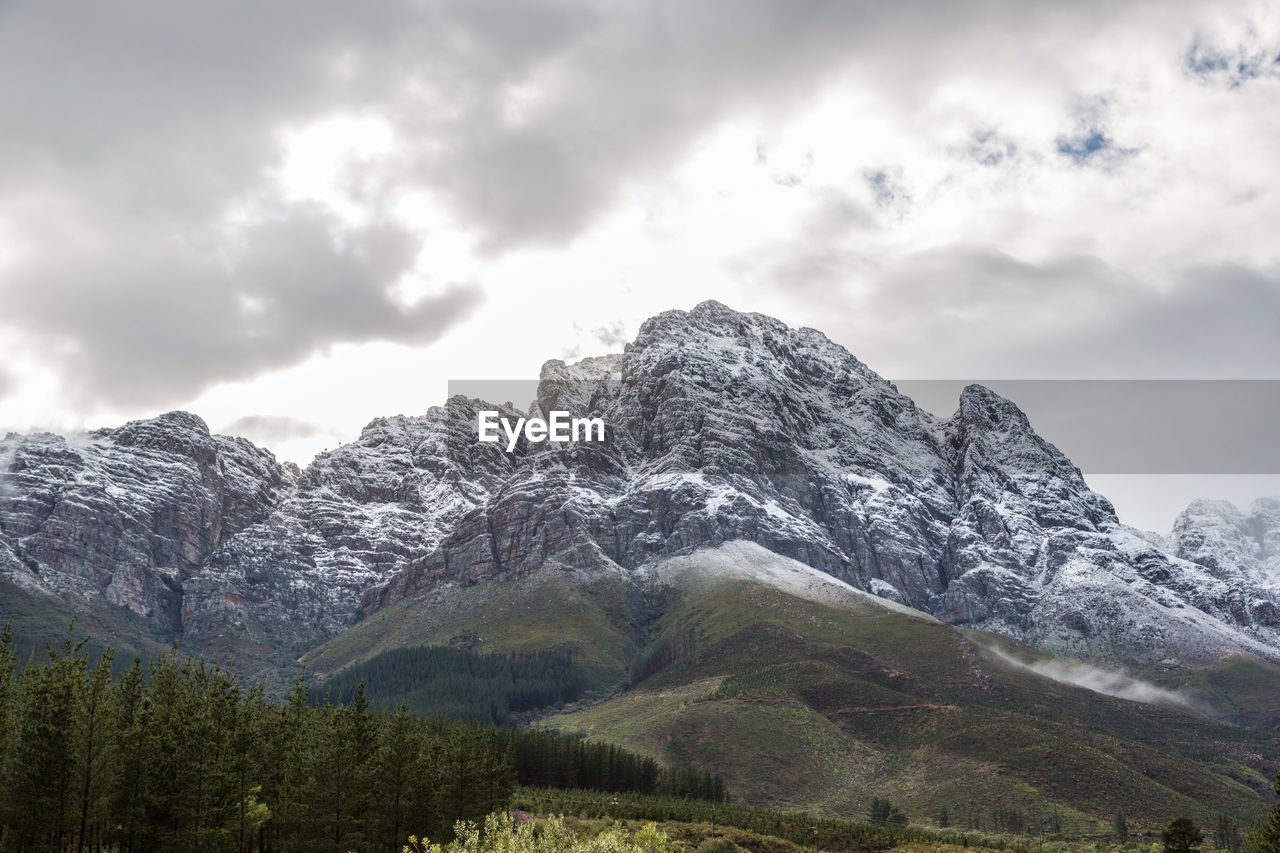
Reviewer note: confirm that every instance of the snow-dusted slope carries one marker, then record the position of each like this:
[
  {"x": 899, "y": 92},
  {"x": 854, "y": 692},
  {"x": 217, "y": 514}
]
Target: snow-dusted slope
[
  {"x": 359, "y": 514},
  {"x": 748, "y": 561},
  {"x": 1239, "y": 549},
  {"x": 208, "y": 535}
]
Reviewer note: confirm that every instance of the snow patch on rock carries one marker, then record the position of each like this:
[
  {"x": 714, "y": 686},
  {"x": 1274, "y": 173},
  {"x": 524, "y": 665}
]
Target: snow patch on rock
[{"x": 748, "y": 561}]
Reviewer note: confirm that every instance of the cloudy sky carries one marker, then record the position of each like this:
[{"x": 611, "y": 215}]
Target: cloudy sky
[{"x": 292, "y": 217}]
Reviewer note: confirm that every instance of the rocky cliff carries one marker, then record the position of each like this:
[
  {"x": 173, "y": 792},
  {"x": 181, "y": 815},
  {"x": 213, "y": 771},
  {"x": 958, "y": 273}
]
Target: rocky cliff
[
  {"x": 722, "y": 427},
  {"x": 125, "y": 516},
  {"x": 728, "y": 426}
]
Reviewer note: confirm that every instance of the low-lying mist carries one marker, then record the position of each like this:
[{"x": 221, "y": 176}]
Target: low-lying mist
[{"x": 1111, "y": 683}]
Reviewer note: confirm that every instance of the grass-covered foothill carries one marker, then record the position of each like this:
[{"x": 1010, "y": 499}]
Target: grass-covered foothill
[
  {"x": 544, "y": 610},
  {"x": 809, "y": 705}
]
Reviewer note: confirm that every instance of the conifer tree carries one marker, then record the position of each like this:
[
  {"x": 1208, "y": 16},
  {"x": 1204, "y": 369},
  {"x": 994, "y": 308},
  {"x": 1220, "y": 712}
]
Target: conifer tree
[
  {"x": 93, "y": 736},
  {"x": 294, "y": 732},
  {"x": 132, "y": 716},
  {"x": 1228, "y": 834},
  {"x": 166, "y": 749},
  {"x": 358, "y": 744},
  {"x": 1121, "y": 827},
  {"x": 397, "y": 778},
  {"x": 246, "y": 748},
  {"x": 7, "y": 701},
  {"x": 43, "y": 758},
  {"x": 1181, "y": 836}
]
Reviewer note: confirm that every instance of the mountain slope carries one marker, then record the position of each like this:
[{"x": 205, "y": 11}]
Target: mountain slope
[{"x": 805, "y": 693}]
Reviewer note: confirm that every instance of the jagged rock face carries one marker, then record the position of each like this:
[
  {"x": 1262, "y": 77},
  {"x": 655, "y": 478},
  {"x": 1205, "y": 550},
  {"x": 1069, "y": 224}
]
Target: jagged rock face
[
  {"x": 721, "y": 427},
  {"x": 358, "y": 514},
  {"x": 127, "y": 514},
  {"x": 207, "y": 535},
  {"x": 728, "y": 426},
  {"x": 1241, "y": 549}
]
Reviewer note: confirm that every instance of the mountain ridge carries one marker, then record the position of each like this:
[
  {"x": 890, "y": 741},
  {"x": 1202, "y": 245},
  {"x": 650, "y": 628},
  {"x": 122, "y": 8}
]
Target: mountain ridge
[{"x": 723, "y": 426}]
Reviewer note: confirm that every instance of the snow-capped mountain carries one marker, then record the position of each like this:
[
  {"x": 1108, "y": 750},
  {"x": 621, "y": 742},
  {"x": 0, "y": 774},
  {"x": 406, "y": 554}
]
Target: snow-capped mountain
[
  {"x": 729, "y": 426},
  {"x": 722, "y": 426},
  {"x": 1238, "y": 547}
]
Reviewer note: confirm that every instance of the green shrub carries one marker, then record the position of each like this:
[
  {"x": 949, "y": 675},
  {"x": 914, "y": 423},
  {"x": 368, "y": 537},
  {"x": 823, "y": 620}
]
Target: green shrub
[{"x": 502, "y": 834}]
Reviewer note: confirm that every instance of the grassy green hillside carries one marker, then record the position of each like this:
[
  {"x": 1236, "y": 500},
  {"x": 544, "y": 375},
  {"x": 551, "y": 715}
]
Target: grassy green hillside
[
  {"x": 821, "y": 702},
  {"x": 805, "y": 704},
  {"x": 39, "y": 621},
  {"x": 1243, "y": 690},
  {"x": 597, "y": 619}
]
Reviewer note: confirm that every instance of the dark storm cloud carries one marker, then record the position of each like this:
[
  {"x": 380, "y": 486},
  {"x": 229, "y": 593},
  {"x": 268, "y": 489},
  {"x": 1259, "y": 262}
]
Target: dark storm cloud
[
  {"x": 127, "y": 135},
  {"x": 195, "y": 93},
  {"x": 144, "y": 319}
]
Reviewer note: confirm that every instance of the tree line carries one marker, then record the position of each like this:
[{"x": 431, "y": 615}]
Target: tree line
[
  {"x": 550, "y": 760},
  {"x": 177, "y": 756},
  {"x": 460, "y": 683}
]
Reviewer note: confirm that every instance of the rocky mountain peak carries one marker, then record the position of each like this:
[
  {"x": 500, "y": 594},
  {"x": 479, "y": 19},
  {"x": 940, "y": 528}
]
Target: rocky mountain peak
[
  {"x": 717, "y": 344},
  {"x": 124, "y": 515},
  {"x": 982, "y": 407},
  {"x": 721, "y": 427},
  {"x": 998, "y": 453},
  {"x": 1235, "y": 545},
  {"x": 175, "y": 432}
]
